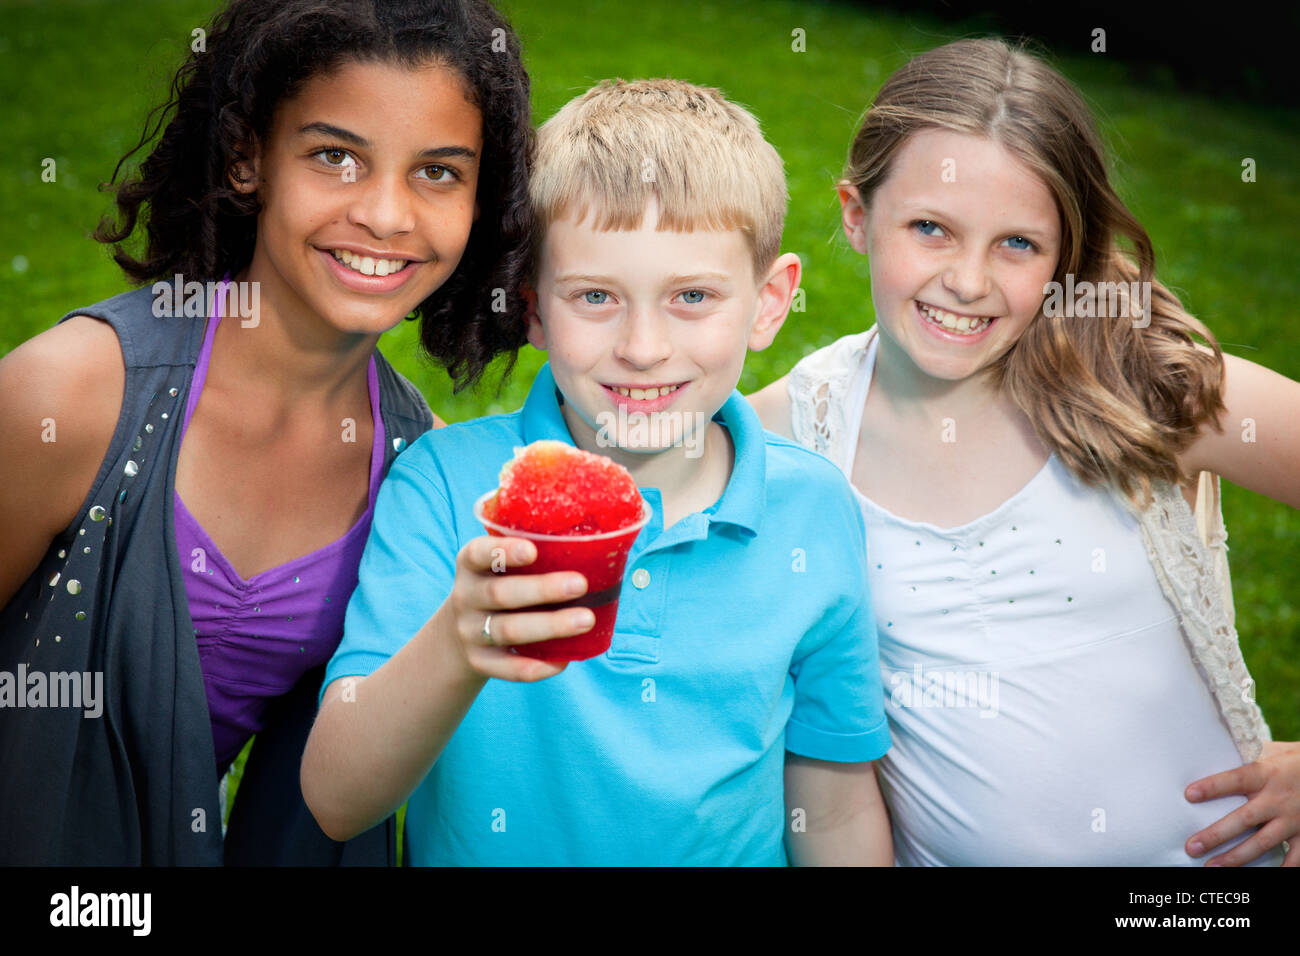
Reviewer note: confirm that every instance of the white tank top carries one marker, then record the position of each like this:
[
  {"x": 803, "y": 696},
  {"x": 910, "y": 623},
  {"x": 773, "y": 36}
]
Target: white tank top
[{"x": 1044, "y": 707}]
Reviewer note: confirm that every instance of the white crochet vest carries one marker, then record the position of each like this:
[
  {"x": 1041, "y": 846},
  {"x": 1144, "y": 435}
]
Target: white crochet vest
[{"x": 1188, "y": 552}]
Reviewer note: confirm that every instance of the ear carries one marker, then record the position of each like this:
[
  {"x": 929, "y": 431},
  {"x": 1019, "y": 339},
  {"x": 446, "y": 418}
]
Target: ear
[
  {"x": 774, "y": 300},
  {"x": 853, "y": 216},
  {"x": 536, "y": 333},
  {"x": 244, "y": 173}
]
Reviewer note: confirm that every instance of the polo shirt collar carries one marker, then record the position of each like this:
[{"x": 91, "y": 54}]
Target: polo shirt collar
[
  {"x": 542, "y": 416},
  {"x": 743, "y": 501},
  {"x": 745, "y": 496}
]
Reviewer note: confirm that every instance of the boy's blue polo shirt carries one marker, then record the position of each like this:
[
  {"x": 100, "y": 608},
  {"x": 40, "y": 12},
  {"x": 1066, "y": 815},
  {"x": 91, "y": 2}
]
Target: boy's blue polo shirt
[{"x": 743, "y": 631}]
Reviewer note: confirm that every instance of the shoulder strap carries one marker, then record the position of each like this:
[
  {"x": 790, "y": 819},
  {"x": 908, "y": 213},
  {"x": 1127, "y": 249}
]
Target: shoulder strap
[
  {"x": 819, "y": 389},
  {"x": 150, "y": 331},
  {"x": 404, "y": 409},
  {"x": 1210, "y": 526},
  {"x": 1192, "y": 570}
]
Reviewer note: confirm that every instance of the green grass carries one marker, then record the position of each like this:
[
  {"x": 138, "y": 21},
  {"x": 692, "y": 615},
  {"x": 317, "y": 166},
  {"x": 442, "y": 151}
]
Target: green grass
[{"x": 80, "y": 75}]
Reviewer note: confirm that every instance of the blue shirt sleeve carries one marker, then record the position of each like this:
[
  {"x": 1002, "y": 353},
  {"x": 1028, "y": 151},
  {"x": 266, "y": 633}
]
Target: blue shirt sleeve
[
  {"x": 839, "y": 708},
  {"x": 406, "y": 571}
]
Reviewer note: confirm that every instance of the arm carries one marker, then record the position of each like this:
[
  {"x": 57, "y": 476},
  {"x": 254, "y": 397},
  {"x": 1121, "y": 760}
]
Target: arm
[
  {"x": 773, "y": 406},
  {"x": 1258, "y": 449},
  {"x": 65, "y": 384},
  {"x": 838, "y": 727},
  {"x": 835, "y": 813},
  {"x": 376, "y": 738}
]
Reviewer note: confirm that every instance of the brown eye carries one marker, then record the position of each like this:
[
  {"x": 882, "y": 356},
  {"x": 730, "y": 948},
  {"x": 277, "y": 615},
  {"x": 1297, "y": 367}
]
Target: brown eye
[
  {"x": 439, "y": 174},
  {"x": 338, "y": 158}
]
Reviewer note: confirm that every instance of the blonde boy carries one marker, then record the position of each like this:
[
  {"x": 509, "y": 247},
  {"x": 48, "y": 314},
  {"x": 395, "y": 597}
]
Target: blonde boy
[{"x": 739, "y": 707}]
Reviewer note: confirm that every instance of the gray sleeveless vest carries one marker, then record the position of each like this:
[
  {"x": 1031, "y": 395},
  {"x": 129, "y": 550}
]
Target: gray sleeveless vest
[{"x": 126, "y": 774}]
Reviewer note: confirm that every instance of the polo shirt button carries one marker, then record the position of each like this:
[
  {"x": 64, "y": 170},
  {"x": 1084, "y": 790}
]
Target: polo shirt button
[{"x": 641, "y": 578}]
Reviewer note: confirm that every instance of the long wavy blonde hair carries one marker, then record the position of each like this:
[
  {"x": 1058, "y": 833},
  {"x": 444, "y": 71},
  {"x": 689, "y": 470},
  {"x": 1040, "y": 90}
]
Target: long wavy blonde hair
[{"x": 1116, "y": 398}]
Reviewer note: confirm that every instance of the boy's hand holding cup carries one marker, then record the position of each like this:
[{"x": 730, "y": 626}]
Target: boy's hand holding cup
[{"x": 542, "y": 588}]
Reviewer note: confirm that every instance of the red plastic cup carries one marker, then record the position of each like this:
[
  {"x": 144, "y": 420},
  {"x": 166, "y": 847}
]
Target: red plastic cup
[{"x": 600, "y": 558}]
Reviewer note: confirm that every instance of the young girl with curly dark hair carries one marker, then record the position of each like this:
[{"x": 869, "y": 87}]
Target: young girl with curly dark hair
[{"x": 187, "y": 470}]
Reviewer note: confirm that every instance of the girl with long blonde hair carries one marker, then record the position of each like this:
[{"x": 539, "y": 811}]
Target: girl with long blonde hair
[{"x": 1034, "y": 428}]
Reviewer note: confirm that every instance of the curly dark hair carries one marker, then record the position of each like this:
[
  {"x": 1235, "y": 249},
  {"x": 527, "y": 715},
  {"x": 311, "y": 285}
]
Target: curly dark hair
[{"x": 223, "y": 97}]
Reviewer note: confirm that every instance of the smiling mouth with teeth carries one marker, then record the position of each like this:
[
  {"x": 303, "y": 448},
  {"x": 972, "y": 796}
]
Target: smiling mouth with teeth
[
  {"x": 644, "y": 394},
  {"x": 955, "y": 324},
  {"x": 368, "y": 266}
]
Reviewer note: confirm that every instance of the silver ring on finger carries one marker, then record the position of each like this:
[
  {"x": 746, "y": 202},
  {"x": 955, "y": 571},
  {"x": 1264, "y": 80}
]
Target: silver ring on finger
[{"x": 487, "y": 631}]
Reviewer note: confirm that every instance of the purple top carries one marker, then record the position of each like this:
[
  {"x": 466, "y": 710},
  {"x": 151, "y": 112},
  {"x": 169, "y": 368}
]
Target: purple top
[{"x": 257, "y": 637}]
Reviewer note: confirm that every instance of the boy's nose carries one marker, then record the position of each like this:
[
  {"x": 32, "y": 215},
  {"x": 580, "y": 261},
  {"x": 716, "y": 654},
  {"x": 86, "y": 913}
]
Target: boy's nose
[
  {"x": 643, "y": 340},
  {"x": 382, "y": 205}
]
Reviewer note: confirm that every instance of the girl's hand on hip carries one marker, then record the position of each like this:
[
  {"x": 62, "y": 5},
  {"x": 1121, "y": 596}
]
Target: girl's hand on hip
[{"x": 1272, "y": 784}]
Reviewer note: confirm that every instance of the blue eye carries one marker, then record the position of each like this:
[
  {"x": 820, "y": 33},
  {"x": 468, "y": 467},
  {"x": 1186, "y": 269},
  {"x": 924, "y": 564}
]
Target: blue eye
[
  {"x": 693, "y": 296},
  {"x": 599, "y": 297},
  {"x": 924, "y": 225},
  {"x": 1027, "y": 243}
]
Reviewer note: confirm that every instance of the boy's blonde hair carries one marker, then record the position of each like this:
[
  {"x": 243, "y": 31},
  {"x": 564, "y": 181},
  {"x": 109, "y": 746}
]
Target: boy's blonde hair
[{"x": 704, "y": 159}]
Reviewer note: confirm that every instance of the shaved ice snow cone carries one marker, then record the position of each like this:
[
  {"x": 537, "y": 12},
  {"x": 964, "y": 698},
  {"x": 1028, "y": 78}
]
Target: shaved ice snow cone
[{"x": 583, "y": 513}]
